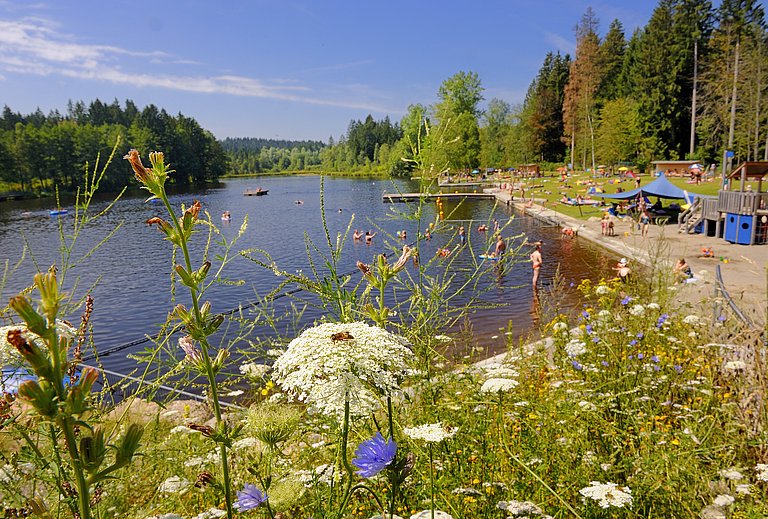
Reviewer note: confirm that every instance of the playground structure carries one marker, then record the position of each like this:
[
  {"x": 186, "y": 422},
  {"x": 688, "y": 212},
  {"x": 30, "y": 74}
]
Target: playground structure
[{"x": 739, "y": 214}]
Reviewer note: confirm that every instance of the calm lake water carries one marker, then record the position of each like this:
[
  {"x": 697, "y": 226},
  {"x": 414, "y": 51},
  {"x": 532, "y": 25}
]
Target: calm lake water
[{"x": 131, "y": 271}]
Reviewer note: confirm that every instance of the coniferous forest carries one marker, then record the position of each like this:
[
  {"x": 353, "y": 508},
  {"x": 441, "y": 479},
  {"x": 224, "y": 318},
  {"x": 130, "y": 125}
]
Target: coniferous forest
[
  {"x": 692, "y": 83},
  {"x": 39, "y": 151},
  {"x": 621, "y": 98}
]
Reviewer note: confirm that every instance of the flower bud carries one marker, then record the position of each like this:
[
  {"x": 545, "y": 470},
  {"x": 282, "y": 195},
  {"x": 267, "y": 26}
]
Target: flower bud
[
  {"x": 41, "y": 395},
  {"x": 49, "y": 293},
  {"x": 218, "y": 362},
  {"x": 93, "y": 451},
  {"x": 143, "y": 175},
  {"x": 129, "y": 444},
  {"x": 35, "y": 322},
  {"x": 35, "y": 357}
]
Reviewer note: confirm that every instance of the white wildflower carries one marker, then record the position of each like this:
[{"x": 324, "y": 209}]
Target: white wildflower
[
  {"x": 732, "y": 474},
  {"x": 762, "y": 471},
  {"x": 245, "y": 443},
  {"x": 9, "y": 355},
  {"x": 498, "y": 385},
  {"x": 637, "y": 310},
  {"x": 606, "y": 466},
  {"x": 574, "y": 348},
  {"x": 607, "y": 494},
  {"x": 691, "y": 319},
  {"x": 603, "y": 314},
  {"x": 254, "y": 370},
  {"x": 724, "y": 500},
  {"x": 442, "y": 338},
  {"x": 602, "y": 290},
  {"x": 712, "y": 512},
  {"x": 587, "y": 406},
  {"x": 466, "y": 491},
  {"x": 331, "y": 364},
  {"x": 519, "y": 508},
  {"x": 211, "y": 513},
  {"x": 653, "y": 306},
  {"x": 183, "y": 429},
  {"x": 434, "y": 432},
  {"x": 274, "y": 353},
  {"x": 174, "y": 485},
  {"x": 166, "y": 516},
  {"x": 743, "y": 489},
  {"x": 429, "y": 514},
  {"x": 735, "y": 365},
  {"x": 559, "y": 326},
  {"x": 236, "y": 392},
  {"x": 194, "y": 461}
]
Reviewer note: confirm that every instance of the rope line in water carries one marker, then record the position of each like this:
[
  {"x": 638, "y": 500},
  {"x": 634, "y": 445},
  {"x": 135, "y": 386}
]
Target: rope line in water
[{"x": 148, "y": 338}]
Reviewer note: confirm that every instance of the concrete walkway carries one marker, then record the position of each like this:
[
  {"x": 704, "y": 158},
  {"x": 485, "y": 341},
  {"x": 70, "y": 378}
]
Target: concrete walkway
[{"x": 744, "y": 273}]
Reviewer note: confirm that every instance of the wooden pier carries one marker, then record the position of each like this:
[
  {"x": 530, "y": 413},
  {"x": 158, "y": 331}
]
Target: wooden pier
[{"x": 406, "y": 197}]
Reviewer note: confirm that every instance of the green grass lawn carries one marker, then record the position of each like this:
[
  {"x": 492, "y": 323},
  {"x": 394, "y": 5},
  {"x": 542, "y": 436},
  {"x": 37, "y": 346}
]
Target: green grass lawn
[{"x": 551, "y": 189}]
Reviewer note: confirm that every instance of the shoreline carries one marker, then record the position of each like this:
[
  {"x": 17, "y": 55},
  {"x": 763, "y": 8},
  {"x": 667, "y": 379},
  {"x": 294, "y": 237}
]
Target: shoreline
[{"x": 743, "y": 267}]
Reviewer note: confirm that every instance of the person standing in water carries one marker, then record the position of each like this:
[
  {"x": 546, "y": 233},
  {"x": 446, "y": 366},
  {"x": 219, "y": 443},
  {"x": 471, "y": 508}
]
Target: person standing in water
[{"x": 537, "y": 261}]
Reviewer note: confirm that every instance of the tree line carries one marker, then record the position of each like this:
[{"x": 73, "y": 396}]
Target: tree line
[
  {"x": 39, "y": 151},
  {"x": 692, "y": 83},
  {"x": 253, "y": 155}
]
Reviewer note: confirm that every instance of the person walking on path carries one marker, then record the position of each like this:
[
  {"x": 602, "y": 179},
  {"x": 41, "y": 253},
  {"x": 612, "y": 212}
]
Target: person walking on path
[{"x": 537, "y": 261}]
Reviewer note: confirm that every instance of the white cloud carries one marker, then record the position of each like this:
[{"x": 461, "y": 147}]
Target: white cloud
[{"x": 33, "y": 46}]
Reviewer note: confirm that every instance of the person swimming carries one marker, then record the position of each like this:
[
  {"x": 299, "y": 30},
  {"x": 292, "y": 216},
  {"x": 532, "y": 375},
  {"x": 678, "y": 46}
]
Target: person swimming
[
  {"x": 357, "y": 235},
  {"x": 369, "y": 237}
]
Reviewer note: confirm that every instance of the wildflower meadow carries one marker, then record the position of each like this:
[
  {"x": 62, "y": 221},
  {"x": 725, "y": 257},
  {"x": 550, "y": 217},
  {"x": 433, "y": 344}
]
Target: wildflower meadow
[{"x": 635, "y": 405}]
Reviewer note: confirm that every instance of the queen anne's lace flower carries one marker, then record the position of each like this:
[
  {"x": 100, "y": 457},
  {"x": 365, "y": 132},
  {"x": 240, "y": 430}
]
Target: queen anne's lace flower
[
  {"x": 691, "y": 319},
  {"x": 724, "y": 500},
  {"x": 602, "y": 290},
  {"x": 607, "y": 494},
  {"x": 173, "y": 485},
  {"x": 433, "y": 432},
  {"x": 497, "y": 385},
  {"x": 574, "y": 348},
  {"x": 331, "y": 363},
  {"x": 637, "y": 310},
  {"x": 10, "y": 356},
  {"x": 762, "y": 471}
]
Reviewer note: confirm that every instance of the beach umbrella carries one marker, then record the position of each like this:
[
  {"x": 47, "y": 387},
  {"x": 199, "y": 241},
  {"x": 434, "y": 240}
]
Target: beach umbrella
[{"x": 623, "y": 168}]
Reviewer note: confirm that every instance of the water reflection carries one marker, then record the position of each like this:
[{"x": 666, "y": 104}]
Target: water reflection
[{"x": 131, "y": 271}]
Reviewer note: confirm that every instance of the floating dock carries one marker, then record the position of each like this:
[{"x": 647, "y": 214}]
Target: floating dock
[{"x": 406, "y": 197}]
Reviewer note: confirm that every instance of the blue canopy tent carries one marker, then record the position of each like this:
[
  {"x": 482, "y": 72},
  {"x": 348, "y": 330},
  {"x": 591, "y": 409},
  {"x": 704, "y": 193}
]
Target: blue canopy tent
[{"x": 661, "y": 188}]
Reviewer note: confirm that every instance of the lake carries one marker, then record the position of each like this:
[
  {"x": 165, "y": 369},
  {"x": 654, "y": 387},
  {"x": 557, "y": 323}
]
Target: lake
[{"x": 131, "y": 271}]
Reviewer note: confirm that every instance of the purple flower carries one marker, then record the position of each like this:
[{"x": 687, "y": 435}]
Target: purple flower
[
  {"x": 661, "y": 320},
  {"x": 626, "y": 300},
  {"x": 573, "y": 284},
  {"x": 374, "y": 455},
  {"x": 655, "y": 358},
  {"x": 678, "y": 368},
  {"x": 632, "y": 342},
  {"x": 588, "y": 327},
  {"x": 640, "y": 335},
  {"x": 604, "y": 363},
  {"x": 249, "y": 497},
  {"x": 640, "y": 356},
  {"x": 595, "y": 339},
  {"x": 576, "y": 365},
  {"x": 585, "y": 314}
]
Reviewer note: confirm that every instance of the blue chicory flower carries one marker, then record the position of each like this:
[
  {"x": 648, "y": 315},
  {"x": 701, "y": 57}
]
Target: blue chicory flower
[
  {"x": 655, "y": 358},
  {"x": 374, "y": 455},
  {"x": 632, "y": 342},
  {"x": 721, "y": 318},
  {"x": 640, "y": 335},
  {"x": 588, "y": 327},
  {"x": 249, "y": 497},
  {"x": 576, "y": 365},
  {"x": 640, "y": 356},
  {"x": 595, "y": 339},
  {"x": 678, "y": 368},
  {"x": 626, "y": 300},
  {"x": 604, "y": 363}
]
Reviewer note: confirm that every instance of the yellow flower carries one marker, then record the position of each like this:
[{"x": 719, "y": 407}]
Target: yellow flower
[{"x": 675, "y": 441}]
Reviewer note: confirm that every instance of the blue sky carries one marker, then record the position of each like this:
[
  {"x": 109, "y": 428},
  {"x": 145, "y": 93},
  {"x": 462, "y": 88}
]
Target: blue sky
[{"x": 281, "y": 68}]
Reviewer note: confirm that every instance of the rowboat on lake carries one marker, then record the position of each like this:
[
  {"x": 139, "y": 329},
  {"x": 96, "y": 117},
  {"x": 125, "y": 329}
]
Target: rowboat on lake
[{"x": 255, "y": 192}]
